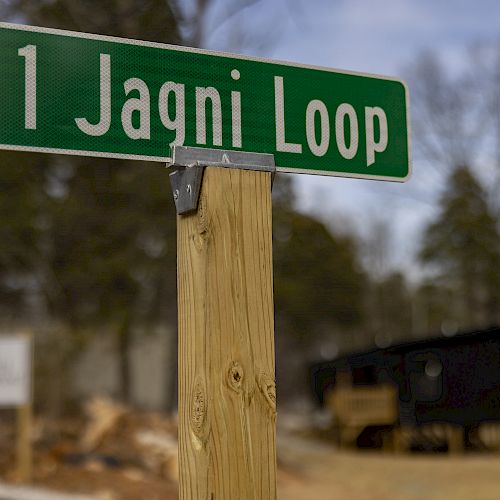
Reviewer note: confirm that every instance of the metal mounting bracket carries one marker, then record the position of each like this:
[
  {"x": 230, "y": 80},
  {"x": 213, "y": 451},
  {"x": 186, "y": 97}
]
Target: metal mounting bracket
[{"x": 189, "y": 162}]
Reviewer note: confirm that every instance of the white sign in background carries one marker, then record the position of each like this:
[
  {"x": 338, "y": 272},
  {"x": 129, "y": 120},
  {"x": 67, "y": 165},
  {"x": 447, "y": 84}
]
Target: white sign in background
[{"x": 15, "y": 370}]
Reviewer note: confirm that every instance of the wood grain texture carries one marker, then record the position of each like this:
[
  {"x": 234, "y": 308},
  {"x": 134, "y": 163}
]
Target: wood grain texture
[{"x": 227, "y": 394}]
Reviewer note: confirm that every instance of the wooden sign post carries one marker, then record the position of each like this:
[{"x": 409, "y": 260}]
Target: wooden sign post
[
  {"x": 227, "y": 394},
  {"x": 23, "y": 445}
]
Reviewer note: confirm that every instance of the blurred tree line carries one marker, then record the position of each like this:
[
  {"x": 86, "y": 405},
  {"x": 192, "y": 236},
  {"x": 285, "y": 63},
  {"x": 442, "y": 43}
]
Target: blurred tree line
[
  {"x": 456, "y": 125},
  {"x": 89, "y": 244}
]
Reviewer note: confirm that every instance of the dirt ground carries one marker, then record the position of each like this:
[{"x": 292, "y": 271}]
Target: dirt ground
[
  {"x": 136, "y": 459},
  {"x": 310, "y": 470},
  {"x": 313, "y": 471}
]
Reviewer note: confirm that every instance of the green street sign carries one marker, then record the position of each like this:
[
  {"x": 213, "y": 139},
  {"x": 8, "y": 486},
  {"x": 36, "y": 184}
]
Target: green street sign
[{"x": 75, "y": 93}]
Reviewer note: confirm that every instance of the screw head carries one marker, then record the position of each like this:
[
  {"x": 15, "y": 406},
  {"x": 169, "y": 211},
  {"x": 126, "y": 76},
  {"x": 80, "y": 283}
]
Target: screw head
[
  {"x": 188, "y": 189},
  {"x": 176, "y": 194}
]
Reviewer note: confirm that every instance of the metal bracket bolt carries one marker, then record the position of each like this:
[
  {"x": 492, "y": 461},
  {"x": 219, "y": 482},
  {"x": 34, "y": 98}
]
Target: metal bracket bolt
[{"x": 189, "y": 162}]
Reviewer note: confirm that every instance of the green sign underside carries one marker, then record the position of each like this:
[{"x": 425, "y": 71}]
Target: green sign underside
[{"x": 53, "y": 94}]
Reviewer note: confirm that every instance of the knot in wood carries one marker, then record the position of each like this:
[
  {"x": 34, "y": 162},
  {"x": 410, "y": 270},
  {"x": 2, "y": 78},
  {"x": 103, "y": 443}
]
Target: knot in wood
[
  {"x": 235, "y": 376},
  {"x": 198, "y": 408},
  {"x": 268, "y": 388},
  {"x": 202, "y": 222}
]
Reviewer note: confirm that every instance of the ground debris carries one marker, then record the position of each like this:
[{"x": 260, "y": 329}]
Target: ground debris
[
  {"x": 111, "y": 452},
  {"x": 160, "y": 452},
  {"x": 104, "y": 414}
]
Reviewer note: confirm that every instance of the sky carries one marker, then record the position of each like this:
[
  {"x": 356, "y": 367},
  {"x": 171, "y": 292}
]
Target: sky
[{"x": 380, "y": 37}]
